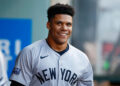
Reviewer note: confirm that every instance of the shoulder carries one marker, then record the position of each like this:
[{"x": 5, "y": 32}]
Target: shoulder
[
  {"x": 31, "y": 50},
  {"x": 77, "y": 51},
  {"x": 36, "y": 46},
  {"x": 82, "y": 58},
  {"x": 79, "y": 54},
  {"x": 28, "y": 56}
]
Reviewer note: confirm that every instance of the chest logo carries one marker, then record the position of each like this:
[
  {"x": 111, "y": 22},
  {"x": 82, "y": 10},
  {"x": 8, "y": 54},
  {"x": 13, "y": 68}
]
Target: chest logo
[
  {"x": 42, "y": 57},
  {"x": 51, "y": 74}
]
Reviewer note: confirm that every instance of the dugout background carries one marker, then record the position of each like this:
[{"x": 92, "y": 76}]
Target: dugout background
[
  {"x": 95, "y": 31},
  {"x": 21, "y": 23}
]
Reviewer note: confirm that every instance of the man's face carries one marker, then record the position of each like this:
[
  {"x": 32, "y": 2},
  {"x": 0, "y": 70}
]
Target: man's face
[{"x": 60, "y": 28}]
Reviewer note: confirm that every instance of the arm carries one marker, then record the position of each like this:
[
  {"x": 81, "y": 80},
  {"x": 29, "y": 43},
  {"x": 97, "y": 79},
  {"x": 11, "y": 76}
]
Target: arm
[
  {"x": 14, "y": 83},
  {"x": 22, "y": 72},
  {"x": 87, "y": 77}
]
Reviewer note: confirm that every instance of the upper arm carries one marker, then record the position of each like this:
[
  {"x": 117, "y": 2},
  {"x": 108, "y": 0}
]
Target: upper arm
[
  {"x": 22, "y": 71},
  {"x": 87, "y": 77}
]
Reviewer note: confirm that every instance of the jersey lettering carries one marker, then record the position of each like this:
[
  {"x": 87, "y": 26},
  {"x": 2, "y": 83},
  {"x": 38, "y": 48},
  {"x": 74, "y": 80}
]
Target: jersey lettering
[
  {"x": 66, "y": 75},
  {"x": 45, "y": 74},
  {"x": 39, "y": 76},
  {"x": 73, "y": 79},
  {"x": 62, "y": 73},
  {"x": 52, "y": 73}
]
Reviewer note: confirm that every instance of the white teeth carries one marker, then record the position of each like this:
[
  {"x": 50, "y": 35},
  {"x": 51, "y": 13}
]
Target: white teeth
[{"x": 63, "y": 34}]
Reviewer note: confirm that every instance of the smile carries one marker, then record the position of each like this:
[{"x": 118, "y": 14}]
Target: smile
[{"x": 63, "y": 34}]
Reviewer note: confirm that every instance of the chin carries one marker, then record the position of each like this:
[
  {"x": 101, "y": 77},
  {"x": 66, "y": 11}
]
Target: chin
[{"x": 62, "y": 42}]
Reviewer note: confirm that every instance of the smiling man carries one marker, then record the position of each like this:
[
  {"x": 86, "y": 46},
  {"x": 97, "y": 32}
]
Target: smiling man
[{"x": 53, "y": 61}]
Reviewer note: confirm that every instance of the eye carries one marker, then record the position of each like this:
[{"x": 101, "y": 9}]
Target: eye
[
  {"x": 69, "y": 24},
  {"x": 59, "y": 23}
]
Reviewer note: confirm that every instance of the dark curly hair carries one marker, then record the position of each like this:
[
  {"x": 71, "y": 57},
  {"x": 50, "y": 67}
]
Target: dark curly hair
[{"x": 60, "y": 9}]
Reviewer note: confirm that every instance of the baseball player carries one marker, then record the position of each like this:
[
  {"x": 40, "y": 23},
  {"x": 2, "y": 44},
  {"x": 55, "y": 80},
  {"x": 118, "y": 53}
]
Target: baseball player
[
  {"x": 53, "y": 61},
  {"x": 3, "y": 73}
]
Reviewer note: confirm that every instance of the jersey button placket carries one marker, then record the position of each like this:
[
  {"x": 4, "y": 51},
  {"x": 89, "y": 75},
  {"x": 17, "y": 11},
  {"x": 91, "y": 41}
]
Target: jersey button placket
[
  {"x": 58, "y": 59},
  {"x": 58, "y": 70},
  {"x": 60, "y": 66}
]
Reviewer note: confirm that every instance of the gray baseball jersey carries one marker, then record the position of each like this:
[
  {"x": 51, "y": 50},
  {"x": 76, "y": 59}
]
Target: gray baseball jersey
[{"x": 39, "y": 65}]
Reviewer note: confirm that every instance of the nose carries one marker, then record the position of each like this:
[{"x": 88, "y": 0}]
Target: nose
[{"x": 64, "y": 27}]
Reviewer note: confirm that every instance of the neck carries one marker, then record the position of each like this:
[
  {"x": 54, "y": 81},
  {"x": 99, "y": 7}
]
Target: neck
[{"x": 55, "y": 46}]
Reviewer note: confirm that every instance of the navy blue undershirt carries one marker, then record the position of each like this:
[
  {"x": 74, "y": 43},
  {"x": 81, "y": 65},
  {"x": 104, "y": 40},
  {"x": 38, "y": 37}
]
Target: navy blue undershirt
[{"x": 62, "y": 52}]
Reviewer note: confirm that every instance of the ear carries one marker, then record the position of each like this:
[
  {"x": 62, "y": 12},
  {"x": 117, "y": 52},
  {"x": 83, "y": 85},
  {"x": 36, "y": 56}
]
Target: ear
[{"x": 48, "y": 25}]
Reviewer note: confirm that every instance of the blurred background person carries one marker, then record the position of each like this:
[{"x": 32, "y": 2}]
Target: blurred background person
[{"x": 3, "y": 74}]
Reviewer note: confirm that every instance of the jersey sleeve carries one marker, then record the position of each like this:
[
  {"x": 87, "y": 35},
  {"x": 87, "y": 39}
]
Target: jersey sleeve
[
  {"x": 22, "y": 72},
  {"x": 87, "y": 77}
]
